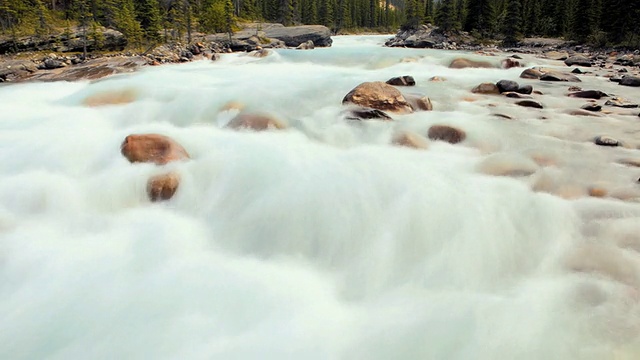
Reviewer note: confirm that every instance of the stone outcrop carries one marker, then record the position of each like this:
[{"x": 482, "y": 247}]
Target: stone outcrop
[
  {"x": 295, "y": 35},
  {"x": 429, "y": 36}
]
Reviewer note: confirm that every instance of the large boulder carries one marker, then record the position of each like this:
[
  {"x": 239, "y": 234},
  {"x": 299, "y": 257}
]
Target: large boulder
[
  {"x": 378, "y": 95},
  {"x": 152, "y": 148},
  {"x": 296, "y": 35},
  {"x": 462, "y": 63}
]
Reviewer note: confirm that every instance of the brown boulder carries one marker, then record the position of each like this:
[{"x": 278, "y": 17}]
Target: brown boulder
[
  {"x": 163, "y": 187},
  {"x": 486, "y": 88},
  {"x": 153, "y": 148},
  {"x": 446, "y": 133},
  {"x": 256, "y": 122},
  {"x": 462, "y": 63},
  {"x": 378, "y": 95}
]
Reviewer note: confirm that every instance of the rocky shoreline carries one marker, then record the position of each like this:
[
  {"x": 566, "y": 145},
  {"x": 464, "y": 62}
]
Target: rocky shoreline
[{"x": 66, "y": 62}]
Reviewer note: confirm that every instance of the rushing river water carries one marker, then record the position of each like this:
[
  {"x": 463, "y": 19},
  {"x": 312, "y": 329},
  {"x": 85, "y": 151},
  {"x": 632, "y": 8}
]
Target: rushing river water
[{"x": 322, "y": 241}]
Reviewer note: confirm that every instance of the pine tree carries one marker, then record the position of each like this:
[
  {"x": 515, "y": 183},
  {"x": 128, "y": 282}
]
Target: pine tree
[
  {"x": 513, "y": 20},
  {"x": 148, "y": 14},
  {"x": 447, "y": 16}
]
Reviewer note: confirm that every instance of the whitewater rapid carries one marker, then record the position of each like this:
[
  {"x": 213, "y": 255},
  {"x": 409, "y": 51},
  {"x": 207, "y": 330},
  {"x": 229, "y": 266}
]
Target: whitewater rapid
[{"x": 322, "y": 241}]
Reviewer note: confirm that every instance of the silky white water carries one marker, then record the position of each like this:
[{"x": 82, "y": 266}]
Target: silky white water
[{"x": 322, "y": 241}]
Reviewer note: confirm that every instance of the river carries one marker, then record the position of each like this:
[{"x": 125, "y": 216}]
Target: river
[{"x": 322, "y": 241}]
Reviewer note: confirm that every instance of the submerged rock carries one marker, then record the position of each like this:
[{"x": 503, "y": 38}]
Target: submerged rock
[
  {"x": 588, "y": 94},
  {"x": 525, "y": 89},
  {"x": 446, "y": 133},
  {"x": 378, "y": 95},
  {"x": 152, "y": 148},
  {"x": 404, "y": 80},
  {"x": 160, "y": 150},
  {"x": 367, "y": 114},
  {"x": 257, "y": 122},
  {"x": 509, "y": 63},
  {"x": 418, "y": 102},
  {"x": 505, "y": 164},
  {"x": 530, "y": 103},
  {"x": 604, "y": 140},
  {"x": 462, "y": 63},
  {"x": 163, "y": 187},
  {"x": 111, "y": 98},
  {"x": 591, "y": 107},
  {"x": 410, "y": 139}
]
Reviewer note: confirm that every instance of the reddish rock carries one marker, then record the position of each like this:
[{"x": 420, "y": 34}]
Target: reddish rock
[
  {"x": 153, "y": 148},
  {"x": 446, "y": 133},
  {"x": 378, "y": 95}
]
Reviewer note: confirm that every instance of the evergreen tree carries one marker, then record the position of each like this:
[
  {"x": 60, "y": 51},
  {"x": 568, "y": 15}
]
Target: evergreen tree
[
  {"x": 447, "y": 16},
  {"x": 148, "y": 14},
  {"x": 513, "y": 20}
]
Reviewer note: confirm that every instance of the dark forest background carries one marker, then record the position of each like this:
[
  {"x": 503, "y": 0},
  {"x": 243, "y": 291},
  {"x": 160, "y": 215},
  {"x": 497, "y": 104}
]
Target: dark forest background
[{"x": 595, "y": 22}]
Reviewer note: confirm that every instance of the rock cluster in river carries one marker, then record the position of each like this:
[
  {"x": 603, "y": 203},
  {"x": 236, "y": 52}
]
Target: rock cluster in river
[{"x": 159, "y": 150}]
